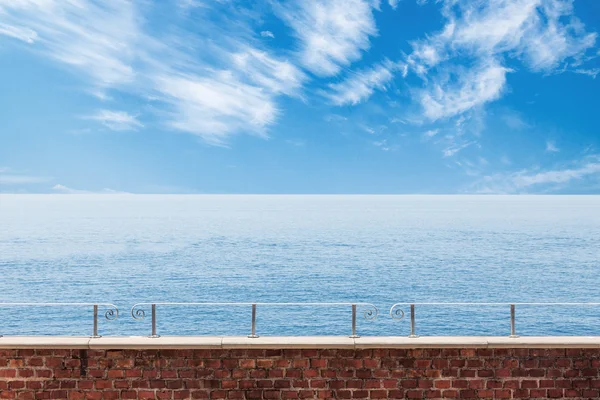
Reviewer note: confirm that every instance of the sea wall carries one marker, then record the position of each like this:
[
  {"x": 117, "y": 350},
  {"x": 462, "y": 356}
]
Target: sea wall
[{"x": 292, "y": 368}]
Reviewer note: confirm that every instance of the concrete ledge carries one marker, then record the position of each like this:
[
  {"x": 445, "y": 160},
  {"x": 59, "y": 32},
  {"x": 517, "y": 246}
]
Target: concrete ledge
[
  {"x": 289, "y": 342},
  {"x": 403, "y": 342},
  {"x": 294, "y": 342},
  {"x": 44, "y": 342},
  {"x": 148, "y": 343}
]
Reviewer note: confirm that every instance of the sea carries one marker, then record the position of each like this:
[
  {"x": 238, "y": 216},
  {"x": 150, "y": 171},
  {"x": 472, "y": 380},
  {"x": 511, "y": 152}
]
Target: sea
[{"x": 127, "y": 249}]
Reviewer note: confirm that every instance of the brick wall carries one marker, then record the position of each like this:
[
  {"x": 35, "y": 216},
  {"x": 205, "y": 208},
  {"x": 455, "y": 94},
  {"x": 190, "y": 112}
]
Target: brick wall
[{"x": 292, "y": 374}]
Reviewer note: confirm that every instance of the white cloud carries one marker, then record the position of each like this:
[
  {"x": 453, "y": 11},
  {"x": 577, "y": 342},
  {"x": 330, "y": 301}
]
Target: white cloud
[
  {"x": 393, "y": 3},
  {"x": 95, "y": 39},
  {"x": 383, "y": 145},
  {"x": 360, "y": 85},
  {"x": 63, "y": 189},
  {"x": 369, "y": 130},
  {"x": 533, "y": 180},
  {"x": 107, "y": 43},
  {"x": 267, "y": 72},
  {"x": 58, "y": 188},
  {"x": 593, "y": 72},
  {"x": 455, "y": 148},
  {"x": 542, "y": 34},
  {"x": 216, "y": 108},
  {"x": 21, "y": 33},
  {"x": 431, "y": 133},
  {"x": 332, "y": 33},
  {"x": 116, "y": 120},
  {"x": 551, "y": 147},
  {"x": 268, "y": 34},
  {"x": 237, "y": 97},
  {"x": 473, "y": 88}
]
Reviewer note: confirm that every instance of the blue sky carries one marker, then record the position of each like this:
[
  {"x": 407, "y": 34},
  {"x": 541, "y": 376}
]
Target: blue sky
[{"x": 337, "y": 96}]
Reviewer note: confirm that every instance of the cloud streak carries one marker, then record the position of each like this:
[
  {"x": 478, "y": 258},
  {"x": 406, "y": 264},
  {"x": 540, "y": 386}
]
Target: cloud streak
[
  {"x": 360, "y": 85},
  {"x": 206, "y": 88},
  {"x": 332, "y": 34},
  {"x": 551, "y": 147},
  {"x": 58, "y": 188},
  {"x": 116, "y": 120},
  {"x": 94, "y": 39},
  {"x": 535, "y": 180}
]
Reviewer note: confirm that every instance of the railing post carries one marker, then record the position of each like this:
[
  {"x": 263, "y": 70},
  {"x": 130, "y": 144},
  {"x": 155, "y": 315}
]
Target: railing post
[
  {"x": 513, "y": 329},
  {"x": 154, "y": 335},
  {"x": 253, "y": 331},
  {"x": 95, "y": 334},
  {"x": 412, "y": 322},
  {"x": 354, "y": 335}
]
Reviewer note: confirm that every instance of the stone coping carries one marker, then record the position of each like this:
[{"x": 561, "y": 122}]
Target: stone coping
[{"x": 293, "y": 342}]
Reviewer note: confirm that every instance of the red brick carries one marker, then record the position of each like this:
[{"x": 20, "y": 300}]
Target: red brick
[{"x": 555, "y": 393}]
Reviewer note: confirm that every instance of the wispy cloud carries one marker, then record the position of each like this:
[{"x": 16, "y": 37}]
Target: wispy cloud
[
  {"x": 267, "y": 34},
  {"x": 212, "y": 89},
  {"x": 216, "y": 108},
  {"x": 67, "y": 190},
  {"x": 514, "y": 120},
  {"x": 431, "y": 133},
  {"x": 383, "y": 145},
  {"x": 593, "y": 72},
  {"x": 116, "y": 120},
  {"x": 472, "y": 89},
  {"x": 95, "y": 39},
  {"x": 540, "y": 34},
  {"x": 360, "y": 85},
  {"x": 393, "y": 3},
  {"x": 534, "y": 180},
  {"x": 332, "y": 33},
  {"x": 278, "y": 76},
  {"x": 21, "y": 33},
  {"x": 551, "y": 147},
  {"x": 455, "y": 148}
]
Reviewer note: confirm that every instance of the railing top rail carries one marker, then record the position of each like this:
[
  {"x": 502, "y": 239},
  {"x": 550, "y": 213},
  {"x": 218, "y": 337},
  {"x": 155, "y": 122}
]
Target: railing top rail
[
  {"x": 494, "y": 304},
  {"x": 249, "y": 304},
  {"x": 57, "y": 304}
]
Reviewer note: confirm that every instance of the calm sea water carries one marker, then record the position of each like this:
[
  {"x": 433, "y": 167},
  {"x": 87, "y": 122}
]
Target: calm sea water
[{"x": 125, "y": 249}]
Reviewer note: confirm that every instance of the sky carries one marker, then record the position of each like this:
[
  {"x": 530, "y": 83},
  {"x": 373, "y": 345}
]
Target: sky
[{"x": 300, "y": 96}]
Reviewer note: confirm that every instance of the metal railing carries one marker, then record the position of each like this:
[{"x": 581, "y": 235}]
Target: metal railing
[
  {"x": 370, "y": 312},
  {"x": 111, "y": 313},
  {"x": 397, "y": 313}
]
